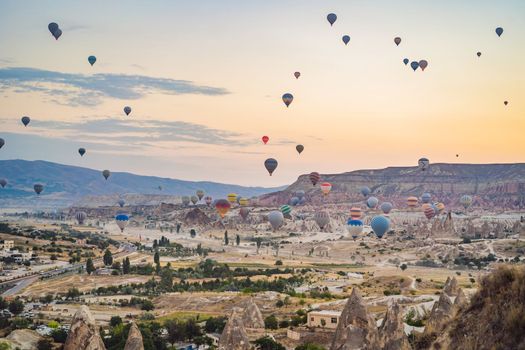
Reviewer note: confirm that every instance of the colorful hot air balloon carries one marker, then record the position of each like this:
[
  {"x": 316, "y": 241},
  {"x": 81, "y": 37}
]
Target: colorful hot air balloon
[
  {"x": 285, "y": 209},
  {"x": 81, "y": 217},
  {"x": 200, "y": 194},
  {"x": 356, "y": 213},
  {"x": 414, "y": 65},
  {"x": 81, "y": 151},
  {"x": 423, "y": 64},
  {"x": 25, "y": 120},
  {"x": 222, "y": 206},
  {"x": 3, "y": 183},
  {"x": 322, "y": 218},
  {"x": 365, "y": 191},
  {"x": 386, "y": 207},
  {"x": 270, "y": 164},
  {"x": 423, "y": 164},
  {"x": 426, "y": 197},
  {"x": 372, "y": 202},
  {"x": 380, "y": 224},
  {"x": 405, "y": 61},
  {"x": 244, "y": 201},
  {"x": 299, "y": 148},
  {"x": 440, "y": 207},
  {"x": 276, "y": 219},
  {"x": 185, "y": 200},
  {"x": 127, "y": 110},
  {"x": 287, "y": 99},
  {"x": 346, "y": 39},
  {"x": 38, "y": 188},
  {"x": 412, "y": 202},
  {"x": 499, "y": 31},
  {"x": 2, "y": 142},
  {"x": 232, "y": 198},
  {"x": 208, "y": 200},
  {"x": 106, "y": 174},
  {"x": 297, "y": 75},
  {"x": 265, "y": 139},
  {"x": 326, "y": 187},
  {"x": 354, "y": 227},
  {"x": 194, "y": 199},
  {"x": 122, "y": 221},
  {"x": 465, "y": 201},
  {"x": 121, "y": 202},
  {"x": 314, "y": 177},
  {"x": 397, "y": 40},
  {"x": 331, "y": 17},
  {"x": 479, "y": 54},
  {"x": 243, "y": 212},
  {"x": 92, "y": 59},
  {"x": 429, "y": 212}
]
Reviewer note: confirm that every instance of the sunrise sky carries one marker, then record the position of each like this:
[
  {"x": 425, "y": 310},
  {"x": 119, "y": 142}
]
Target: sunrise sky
[{"x": 205, "y": 80}]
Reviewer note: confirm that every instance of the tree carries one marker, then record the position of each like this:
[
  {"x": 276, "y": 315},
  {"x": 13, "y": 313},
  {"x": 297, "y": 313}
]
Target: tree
[
  {"x": 215, "y": 324},
  {"x": 176, "y": 331},
  {"x": 192, "y": 329},
  {"x": 47, "y": 299},
  {"x": 279, "y": 262},
  {"x": 115, "y": 321},
  {"x": 267, "y": 343},
  {"x": 226, "y": 240},
  {"x": 72, "y": 293},
  {"x": 309, "y": 346},
  {"x": 166, "y": 280},
  {"x": 126, "y": 266},
  {"x": 193, "y": 233},
  {"x": 258, "y": 242},
  {"x": 156, "y": 258},
  {"x": 44, "y": 344},
  {"x": 147, "y": 305},
  {"x": 59, "y": 335},
  {"x": 16, "y": 306},
  {"x": 90, "y": 267},
  {"x": 3, "y": 303},
  {"x": 108, "y": 258},
  {"x": 403, "y": 267},
  {"x": 271, "y": 322},
  {"x": 237, "y": 239}
]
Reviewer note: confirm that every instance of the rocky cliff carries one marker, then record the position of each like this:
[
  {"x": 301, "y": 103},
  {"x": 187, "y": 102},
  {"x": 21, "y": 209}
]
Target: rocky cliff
[
  {"x": 234, "y": 336},
  {"x": 83, "y": 334}
]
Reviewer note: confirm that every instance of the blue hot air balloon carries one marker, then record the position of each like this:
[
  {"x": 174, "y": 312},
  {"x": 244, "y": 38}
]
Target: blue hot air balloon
[
  {"x": 332, "y": 17},
  {"x": 92, "y": 60},
  {"x": 405, "y": 61},
  {"x": 365, "y": 191},
  {"x": 426, "y": 197},
  {"x": 414, "y": 65},
  {"x": 294, "y": 201},
  {"x": 346, "y": 39},
  {"x": 372, "y": 202},
  {"x": 122, "y": 221},
  {"x": 499, "y": 31},
  {"x": 355, "y": 227},
  {"x": 380, "y": 225}
]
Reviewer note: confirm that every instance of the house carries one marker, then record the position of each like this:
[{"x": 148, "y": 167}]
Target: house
[
  {"x": 323, "y": 318},
  {"x": 6, "y": 245}
]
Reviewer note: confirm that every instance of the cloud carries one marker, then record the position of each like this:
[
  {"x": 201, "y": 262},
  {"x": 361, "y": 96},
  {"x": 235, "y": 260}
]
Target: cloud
[{"x": 89, "y": 90}]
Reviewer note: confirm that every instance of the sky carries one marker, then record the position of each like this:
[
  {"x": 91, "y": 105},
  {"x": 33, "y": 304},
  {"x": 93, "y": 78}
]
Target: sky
[{"x": 205, "y": 78}]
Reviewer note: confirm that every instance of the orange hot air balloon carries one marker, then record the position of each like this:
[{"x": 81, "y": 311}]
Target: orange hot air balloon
[
  {"x": 326, "y": 187},
  {"x": 356, "y": 213},
  {"x": 222, "y": 206},
  {"x": 412, "y": 202},
  {"x": 265, "y": 139}
]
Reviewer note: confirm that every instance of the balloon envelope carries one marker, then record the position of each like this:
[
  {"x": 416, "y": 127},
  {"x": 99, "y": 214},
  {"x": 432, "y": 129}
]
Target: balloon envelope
[
  {"x": 412, "y": 202},
  {"x": 200, "y": 194},
  {"x": 354, "y": 227},
  {"x": 52, "y": 27},
  {"x": 429, "y": 212},
  {"x": 300, "y": 194},
  {"x": 365, "y": 191},
  {"x": 243, "y": 212},
  {"x": 499, "y": 31},
  {"x": 346, "y": 39},
  {"x": 314, "y": 177},
  {"x": 92, "y": 60},
  {"x": 121, "y": 202},
  {"x": 331, "y": 17},
  {"x": 25, "y": 120},
  {"x": 405, "y": 61},
  {"x": 276, "y": 219},
  {"x": 122, "y": 221},
  {"x": 57, "y": 33},
  {"x": 426, "y": 197},
  {"x": 465, "y": 201},
  {"x": 380, "y": 225},
  {"x": 127, "y": 110},
  {"x": 423, "y": 164},
  {"x": 294, "y": 201},
  {"x": 386, "y": 207},
  {"x": 38, "y": 188},
  {"x": 285, "y": 209},
  {"x": 186, "y": 200},
  {"x": 81, "y": 151},
  {"x": 194, "y": 199},
  {"x": 270, "y": 164},
  {"x": 414, "y": 65},
  {"x": 326, "y": 187},
  {"x": 299, "y": 148},
  {"x": 287, "y": 99},
  {"x": 244, "y": 201},
  {"x": 3, "y": 182},
  {"x": 81, "y": 217},
  {"x": 232, "y": 198},
  {"x": 2, "y": 142},
  {"x": 322, "y": 218},
  {"x": 222, "y": 206},
  {"x": 423, "y": 64},
  {"x": 372, "y": 202},
  {"x": 478, "y": 53},
  {"x": 265, "y": 139},
  {"x": 397, "y": 40},
  {"x": 208, "y": 200},
  {"x": 106, "y": 174},
  {"x": 297, "y": 75},
  {"x": 356, "y": 213}
]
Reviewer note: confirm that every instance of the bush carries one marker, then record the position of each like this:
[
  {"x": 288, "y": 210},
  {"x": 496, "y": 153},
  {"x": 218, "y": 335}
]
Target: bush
[
  {"x": 271, "y": 322},
  {"x": 278, "y": 262}
]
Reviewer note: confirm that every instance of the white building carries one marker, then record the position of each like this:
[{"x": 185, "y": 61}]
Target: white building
[{"x": 324, "y": 318}]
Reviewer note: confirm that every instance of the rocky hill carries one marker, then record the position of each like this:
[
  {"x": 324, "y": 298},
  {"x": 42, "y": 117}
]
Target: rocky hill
[{"x": 499, "y": 186}]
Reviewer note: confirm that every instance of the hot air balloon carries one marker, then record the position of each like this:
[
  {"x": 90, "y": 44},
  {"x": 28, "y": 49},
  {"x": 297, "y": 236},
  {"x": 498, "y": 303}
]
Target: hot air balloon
[
  {"x": 297, "y": 75},
  {"x": 300, "y": 194},
  {"x": 57, "y": 34},
  {"x": 208, "y": 200},
  {"x": 81, "y": 151},
  {"x": 426, "y": 197},
  {"x": 81, "y": 217},
  {"x": 265, "y": 139},
  {"x": 315, "y": 177},
  {"x": 365, "y": 191},
  {"x": 440, "y": 207},
  {"x": 127, "y": 110},
  {"x": 294, "y": 201},
  {"x": 356, "y": 213},
  {"x": 332, "y": 17},
  {"x": 159, "y": 187},
  {"x": 326, "y": 187},
  {"x": 479, "y": 54},
  {"x": 25, "y": 120},
  {"x": 38, "y": 188},
  {"x": 380, "y": 224},
  {"x": 276, "y": 219},
  {"x": 92, "y": 59},
  {"x": 414, "y": 65},
  {"x": 465, "y": 201},
  {"x": 354, "y": 227},
  {"x": 412, "y": 202},
  {"x": 106, "y": 174},
  {"x": 243, "y": 201},
  {"x": 52, "y": 27},
  {"x": 346, "y": 39},
  {"x": 287, "y": 99},
  {"x": 254, "y": 201},
  {"x": 243, "y": 212},
  {"x": 429, "y": 212},
  {"x": 2, "y": 142},
  {"x": 405, "y": 61},
  {"x": 322, "y": 218},
  {"x": 499, "y": 31},
  {"x": 270, "y": 164},
  {"x": 285, "y": 209},
  {"x": 386, "y": 207},
  {"x": 423, "y": 164},
  {"x": 423, "y": 64},
  {"x": 121, "y": 202},
  {"x": 232, "y": 198},
  {"x": 200, "y": 194},
  {"x": 397, "y": 40},
  {"x": 122, "y": 221},
  {"x": 372, "y": 202},
  {"x": 194, "y": 199},
  {"x": 505, "y": 102},
  {"x": 3, "y": 183},
  {"x": 299, "y": 148}
]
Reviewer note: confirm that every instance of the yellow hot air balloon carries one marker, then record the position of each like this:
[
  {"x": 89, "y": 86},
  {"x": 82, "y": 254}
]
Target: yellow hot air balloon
[
  {"x": 326, "y": 187},
  {"x": 243, "y": 201},
  {"x": 232, "y": 198},
  {"x": 440, "y": 207}
]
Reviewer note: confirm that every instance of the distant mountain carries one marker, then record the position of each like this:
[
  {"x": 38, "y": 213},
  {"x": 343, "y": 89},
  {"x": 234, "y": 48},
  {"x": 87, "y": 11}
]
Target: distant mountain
[
  {"x": 65, "y": 184},
  {"x": 497, "y": 186}
]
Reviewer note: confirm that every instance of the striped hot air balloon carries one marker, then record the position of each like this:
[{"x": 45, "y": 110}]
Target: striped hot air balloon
[
  {"x": 412, "y": 202},
  {"x": 326, "y": 187},
  {"x": 286, "y": 209},
  {"x": 81, "y": 217},
  {"x": 465, "y": 201},
  {"x": 244, "y": 201},
  {"x": 322, "y": 218},
  {"x": 356, "y": 213},
  {"x": 314, "y": 177},
  {"x": 429, "y": 212},
  {"x": 232, "y": 198}
]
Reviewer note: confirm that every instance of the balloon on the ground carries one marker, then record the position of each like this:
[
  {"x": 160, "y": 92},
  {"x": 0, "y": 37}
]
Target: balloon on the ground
[
  {"x": 299, "y": 148},
  {"x": 287, "y": 99},
  {"x": 270, "y": 164},
  {"x": 314, "y": 177},
  {"x": 386, "y": 207},
  {"x": 326, "y": 187},
  {"x": 81, "y": 217},
  {"x": 356, "y": 213},
  {"x": 499, "y": 31},
  {"x": 380, "y": 225},
  {"x": 423, "y": 164},
  {"x": 122, "y": 221},
  {"x": 38, "y": 188},
  {"x": 365, "y": 191},
  {"x": 222, "y": 206},
  {"x": 25, "y": 120},
  {"x": 426, "y": 197},
  {"x": 265, "y": 139},
  {"x": 297, "y": 75},
  {"x": 92, "y": 60},
  {"x": 276, "y": 219},
  {"x": 372, "y": 202},
  {"x": 200, "y": 194},
  {"x": 414, "y": 65},
  {"x": 332, "y": 17},
  {"x": 3, "y": 183},
  {"x": 354, "y": 227},
  {"x": 397, "y": 40},
  {"x": 405, "y": 61},
  {"x": 82, "y": 151},
  {"x": 322, "y": 218},
  {"x": 423, "y": 64},
  {"x": 346, "y": 39},
  {"x": 106, "y": 174},
  {"x": 127, "y": 110}
]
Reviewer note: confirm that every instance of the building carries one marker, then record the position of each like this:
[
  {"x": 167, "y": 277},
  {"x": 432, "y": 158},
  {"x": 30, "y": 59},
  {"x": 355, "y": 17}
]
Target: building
[
  {"x": 6, "y": 245},
  {"x": 324, "y": 318}
]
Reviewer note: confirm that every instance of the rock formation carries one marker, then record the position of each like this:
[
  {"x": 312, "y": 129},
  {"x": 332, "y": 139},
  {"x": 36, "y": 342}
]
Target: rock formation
[
  {"x": 83, "y": 334},
  {"x": 392, "y": 330},
  {"x": 23, "y": 339},
  {"x": 251, "y": 316},
  {"x": 442, "y": 312},
  {"x": 451, "y": 287},
  {"x": 356, "y": 328},
  {"x": 134, "y": 341},
  {"x": 461, "y": 300},
  {"x": 234, "y": 335}
]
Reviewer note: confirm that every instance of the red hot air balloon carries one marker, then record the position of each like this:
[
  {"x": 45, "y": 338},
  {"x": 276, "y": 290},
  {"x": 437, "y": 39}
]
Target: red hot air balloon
[
  {"x": 315, "y": 177},
  {"x": 265, "y": 139}
]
